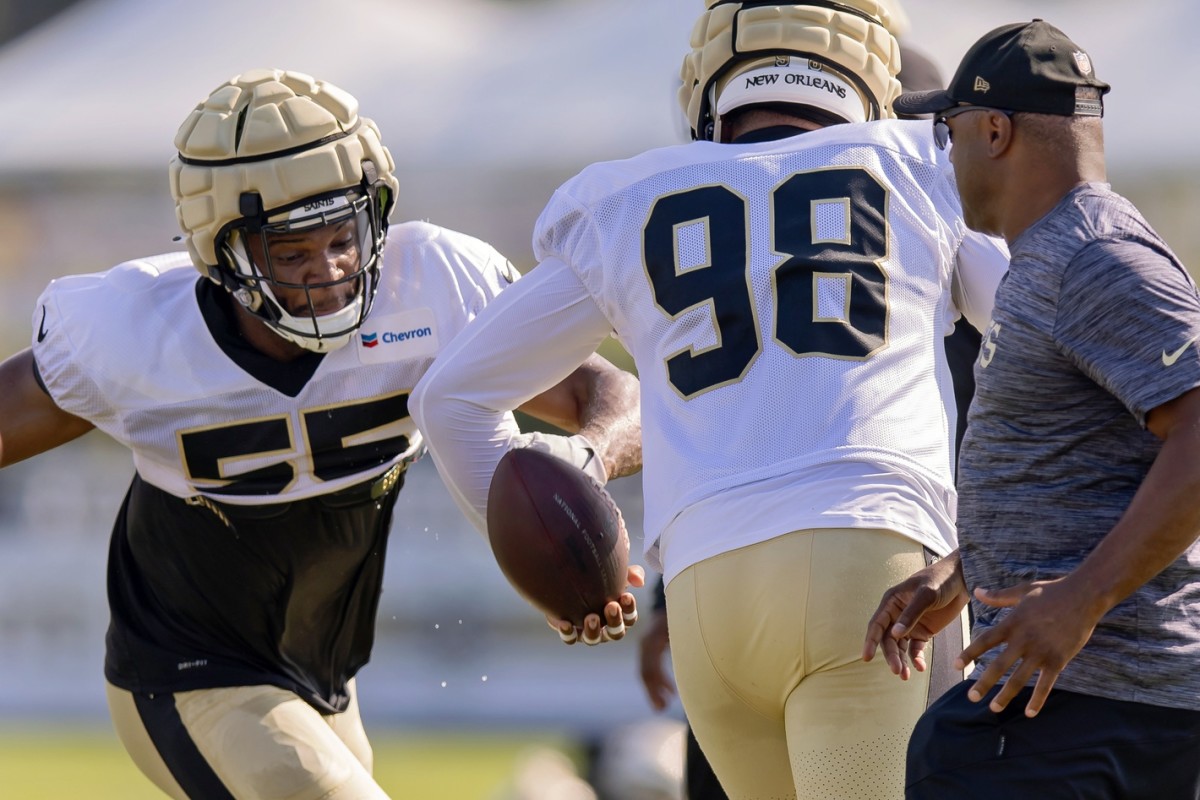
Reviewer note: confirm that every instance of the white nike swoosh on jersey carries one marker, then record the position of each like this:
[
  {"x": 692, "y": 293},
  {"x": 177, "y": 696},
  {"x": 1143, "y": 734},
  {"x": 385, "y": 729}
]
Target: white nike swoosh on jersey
[{"x": 1170, "y": 358}]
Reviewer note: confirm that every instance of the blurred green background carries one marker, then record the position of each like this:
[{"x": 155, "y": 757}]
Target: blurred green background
[{"x": 50, "y": 764}]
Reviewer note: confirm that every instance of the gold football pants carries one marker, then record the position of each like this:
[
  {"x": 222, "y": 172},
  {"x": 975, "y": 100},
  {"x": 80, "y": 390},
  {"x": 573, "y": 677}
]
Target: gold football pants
[
  {"x": 766, "y": 643},
  {"x": 258, "y": 742}
]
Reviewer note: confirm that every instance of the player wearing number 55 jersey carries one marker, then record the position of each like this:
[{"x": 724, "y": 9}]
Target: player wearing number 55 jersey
[
  {"x": 251, "y": 461},
  {"x": 266, "y": 405},
  {"x": 784, "y": 290}
]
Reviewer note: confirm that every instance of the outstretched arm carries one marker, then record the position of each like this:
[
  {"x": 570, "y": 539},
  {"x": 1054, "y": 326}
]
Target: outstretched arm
[
  {"x": 1052, "y": 620},
  {"x": 525, "y": 350},
  {"x": 30, "y": 422}
]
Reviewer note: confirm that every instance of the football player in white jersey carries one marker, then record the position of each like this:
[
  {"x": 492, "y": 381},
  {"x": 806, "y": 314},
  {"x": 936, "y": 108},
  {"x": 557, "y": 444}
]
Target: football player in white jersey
[
  {"x": 266, "y": 405},
  {"x": 784, "y": 286},
  {"x": 917, "y": 72}
]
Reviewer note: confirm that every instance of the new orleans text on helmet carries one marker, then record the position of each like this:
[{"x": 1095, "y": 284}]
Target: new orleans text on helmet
[{"x": 802, "y": 80}]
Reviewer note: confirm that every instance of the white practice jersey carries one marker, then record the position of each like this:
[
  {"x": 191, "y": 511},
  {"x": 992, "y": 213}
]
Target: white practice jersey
[
  {"x": 786, "y": 305},
  {"x": 130, "y": 351}
]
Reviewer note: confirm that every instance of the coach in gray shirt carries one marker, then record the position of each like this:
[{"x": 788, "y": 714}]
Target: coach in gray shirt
[{"x": 1079, "y": 476}]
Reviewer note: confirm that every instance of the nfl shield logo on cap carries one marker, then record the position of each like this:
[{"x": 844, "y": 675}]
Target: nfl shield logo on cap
[{"x": 1083, "y": 62}]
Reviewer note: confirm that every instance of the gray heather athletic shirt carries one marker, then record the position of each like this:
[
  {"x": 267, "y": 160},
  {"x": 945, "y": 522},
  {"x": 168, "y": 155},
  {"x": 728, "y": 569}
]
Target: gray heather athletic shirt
[{"x": 1094, "y": 326}]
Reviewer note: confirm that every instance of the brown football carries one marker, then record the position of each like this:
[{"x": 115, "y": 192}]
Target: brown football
[{"x": 557, "y": 535}]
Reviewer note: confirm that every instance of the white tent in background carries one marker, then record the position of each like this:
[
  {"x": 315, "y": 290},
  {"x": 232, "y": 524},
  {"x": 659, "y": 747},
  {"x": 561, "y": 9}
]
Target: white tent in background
[
  {"x": 107, "y": 82},
  {"x": 488, "y": 82}
]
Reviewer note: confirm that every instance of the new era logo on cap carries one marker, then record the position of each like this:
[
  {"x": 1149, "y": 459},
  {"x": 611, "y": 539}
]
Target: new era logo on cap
[{"x": 981, "y": 85}]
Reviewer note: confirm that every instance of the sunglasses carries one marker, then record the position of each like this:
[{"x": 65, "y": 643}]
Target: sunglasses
[{"x": 941, "y": 131}]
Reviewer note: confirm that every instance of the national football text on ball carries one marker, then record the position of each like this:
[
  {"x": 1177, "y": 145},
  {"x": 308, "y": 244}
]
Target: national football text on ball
[{"x": 572, "y": 544}]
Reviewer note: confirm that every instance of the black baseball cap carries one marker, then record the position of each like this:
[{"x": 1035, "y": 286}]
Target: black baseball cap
[{"x": 1027, "y": 66}]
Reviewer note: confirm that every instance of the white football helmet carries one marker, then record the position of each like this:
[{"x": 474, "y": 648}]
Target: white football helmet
[
  {"x": 836, "y": 60},
  {"x": 272, "y": 152}
]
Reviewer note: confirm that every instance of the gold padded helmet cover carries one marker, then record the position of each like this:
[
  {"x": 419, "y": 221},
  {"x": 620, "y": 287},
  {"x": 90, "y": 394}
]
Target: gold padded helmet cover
[
  {"x": 275, "y": 148},
  {"x": 254, "y": 115},
  {"x": 851, "y": 37}
]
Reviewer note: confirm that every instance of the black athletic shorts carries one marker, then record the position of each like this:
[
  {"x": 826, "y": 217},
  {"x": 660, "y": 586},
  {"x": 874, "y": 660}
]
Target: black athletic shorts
[{"x": 1078, "y": 746}]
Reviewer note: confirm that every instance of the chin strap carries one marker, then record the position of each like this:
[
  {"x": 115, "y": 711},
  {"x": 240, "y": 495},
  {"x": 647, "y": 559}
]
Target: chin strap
[{"x": 575, "y": 450}]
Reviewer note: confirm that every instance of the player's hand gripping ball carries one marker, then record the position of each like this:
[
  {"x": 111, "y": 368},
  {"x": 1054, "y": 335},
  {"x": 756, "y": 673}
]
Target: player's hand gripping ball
[{"x": 557, "y": 535}]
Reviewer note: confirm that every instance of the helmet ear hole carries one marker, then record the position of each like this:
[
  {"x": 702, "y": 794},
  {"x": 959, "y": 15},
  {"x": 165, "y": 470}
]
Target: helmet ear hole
[{"x": 250, "y": 205}]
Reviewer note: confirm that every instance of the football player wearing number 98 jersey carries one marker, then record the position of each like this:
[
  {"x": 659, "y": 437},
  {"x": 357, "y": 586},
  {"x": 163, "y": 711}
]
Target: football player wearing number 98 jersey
[
  {"x": 784, "y": 286},
  {"x": 266, "y": 406}
]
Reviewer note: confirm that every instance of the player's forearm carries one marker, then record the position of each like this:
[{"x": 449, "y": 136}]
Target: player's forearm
[{"x": 612, "y": 422}]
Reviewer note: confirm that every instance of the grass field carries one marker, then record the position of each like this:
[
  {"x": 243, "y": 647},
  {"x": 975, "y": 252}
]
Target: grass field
[{"x": 53, "y": 764}]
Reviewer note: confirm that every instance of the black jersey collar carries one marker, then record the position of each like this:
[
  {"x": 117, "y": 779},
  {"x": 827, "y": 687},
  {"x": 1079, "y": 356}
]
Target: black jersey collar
[
  {"x": 769, "y": 134},
  {"x": 286, "y": 377}
]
